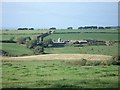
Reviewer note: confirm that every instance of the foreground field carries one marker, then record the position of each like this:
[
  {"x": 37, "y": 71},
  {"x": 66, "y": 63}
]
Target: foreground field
[{"x": 57, "y": 74}]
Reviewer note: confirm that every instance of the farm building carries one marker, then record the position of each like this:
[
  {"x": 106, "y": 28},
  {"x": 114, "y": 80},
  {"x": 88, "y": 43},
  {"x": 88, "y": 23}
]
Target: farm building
[{"x": 58, "y": 42}]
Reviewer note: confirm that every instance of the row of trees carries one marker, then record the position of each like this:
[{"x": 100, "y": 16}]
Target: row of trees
[
  {"x": 85, "y": 27},
  {"x": 25, "y": 29}
]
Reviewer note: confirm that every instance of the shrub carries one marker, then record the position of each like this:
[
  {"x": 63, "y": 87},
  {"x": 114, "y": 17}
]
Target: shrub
[
  {"x": 116, "y": 60},
  {"x": 38, "y": 50},
  {"x": 83, "y": 62},
  {"x": 47, "y": 42},
  {"x": 93, "y": 62},
  {"x": 21, "y": 40},
  {"x": 3, "y": 53},
  {"x": 31, "y": 44}
]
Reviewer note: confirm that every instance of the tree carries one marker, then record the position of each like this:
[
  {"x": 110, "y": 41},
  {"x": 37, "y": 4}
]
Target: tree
[
  {"x": 21, "y": 40},
  {"x": 70, "y": 28},
  {"x": 52, "y": 28},
  {"x": 47, "y": 42},
  {"x": 31, "y": 44},
  {"x": 38, "y": 50},
  {"x": 31, "y": 28}
]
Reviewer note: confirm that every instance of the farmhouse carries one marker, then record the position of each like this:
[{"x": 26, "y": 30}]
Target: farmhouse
[{"x": 58, "y": 42}]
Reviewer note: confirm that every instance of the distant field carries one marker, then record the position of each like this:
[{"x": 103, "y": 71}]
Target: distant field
[
  {"x": 16, "y": 49},
  {"x": 100, "y": 49},
  {"x": 6, "y": 35},
  {"x": 23, "y": 31},
  {"x": 81, "y": 36},
  {"x": 108, "y": 35},
  {"x": 57, "y": 74}
]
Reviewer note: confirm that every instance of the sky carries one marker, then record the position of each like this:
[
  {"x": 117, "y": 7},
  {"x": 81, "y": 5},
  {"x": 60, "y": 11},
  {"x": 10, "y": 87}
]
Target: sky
[{"x": 43, "y": 15}]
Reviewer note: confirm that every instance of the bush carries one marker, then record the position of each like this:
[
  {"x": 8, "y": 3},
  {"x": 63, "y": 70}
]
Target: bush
[
  {"x": 21, "y": 40},
  {"x": 93, "y": 62},
  {"x": 83, "y": 62},
  {"x": 38, "y": 50},
  {"x": 116, "y": 60},
  {"x": 31, "y": 44},
  {"x": 47, "y": 42},
  {"x": 3, "y": 53}
]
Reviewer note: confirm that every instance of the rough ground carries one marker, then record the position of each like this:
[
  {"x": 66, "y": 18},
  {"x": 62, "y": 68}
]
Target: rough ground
[{"x": 60, "y": 57}]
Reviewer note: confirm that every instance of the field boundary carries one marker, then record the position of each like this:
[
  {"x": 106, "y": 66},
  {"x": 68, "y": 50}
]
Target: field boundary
[{"x": 59, "y": 57}]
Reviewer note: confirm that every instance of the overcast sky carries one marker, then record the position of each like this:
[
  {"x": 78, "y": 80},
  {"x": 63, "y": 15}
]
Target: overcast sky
[{"x": 59, "y": 15}]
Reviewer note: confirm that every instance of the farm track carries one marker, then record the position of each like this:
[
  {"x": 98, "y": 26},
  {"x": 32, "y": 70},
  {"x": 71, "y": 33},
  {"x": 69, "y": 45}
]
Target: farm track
[{"x": 59, "y": 57}]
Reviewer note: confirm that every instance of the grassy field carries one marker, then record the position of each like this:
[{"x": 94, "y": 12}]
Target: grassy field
[
  {"x": 23, "y": 31},
  {"x": 19, "y": 50},
  {"x": 57, "y": 74},
  {"x": 100, "y": 49},
  {"x": 16, "y": 49},
  {"x": 6, "y": 35},
  {"x": 81, "y": 36},
  {"x": 107, "y": 35}
]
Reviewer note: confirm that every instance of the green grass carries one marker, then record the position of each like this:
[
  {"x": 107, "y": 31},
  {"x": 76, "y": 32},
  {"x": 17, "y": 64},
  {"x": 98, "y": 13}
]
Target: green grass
[
  {"x": 81, "y": 36},
  {"x": 16, "y": 49},
  {"x": 74, "y": 36},
  {"x": 23, "y": 31},
  {"x": 57, "y": 74},
  {"x": 7, "y": 37},
  {"x": 100, "y": 49}
]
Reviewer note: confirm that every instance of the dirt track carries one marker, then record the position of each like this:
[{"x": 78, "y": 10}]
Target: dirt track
[{"x": 60, "y": 57}]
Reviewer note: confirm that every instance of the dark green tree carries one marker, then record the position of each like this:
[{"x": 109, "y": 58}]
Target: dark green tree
[
  {"x": 21, "y": 40},
  {"x": 47, "y": 42},
  {"x": 31, "y": 44},
  {"x": 38, "y": 50}
]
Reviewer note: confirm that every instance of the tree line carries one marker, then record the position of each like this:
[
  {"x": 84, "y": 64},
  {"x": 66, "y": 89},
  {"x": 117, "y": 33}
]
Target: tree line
[{"x": 69, "y": 28}]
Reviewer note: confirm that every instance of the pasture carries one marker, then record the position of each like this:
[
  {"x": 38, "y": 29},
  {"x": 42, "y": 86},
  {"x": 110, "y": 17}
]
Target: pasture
[
  {"x": 14, "y": 49},
  {"x": 82, "y": 36},
  {"x": 57, "y": 74},
  {"x": 6, "y": 35},
  {"x": 99, "y": 49},
  {"x": 111, "y": 34}
]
